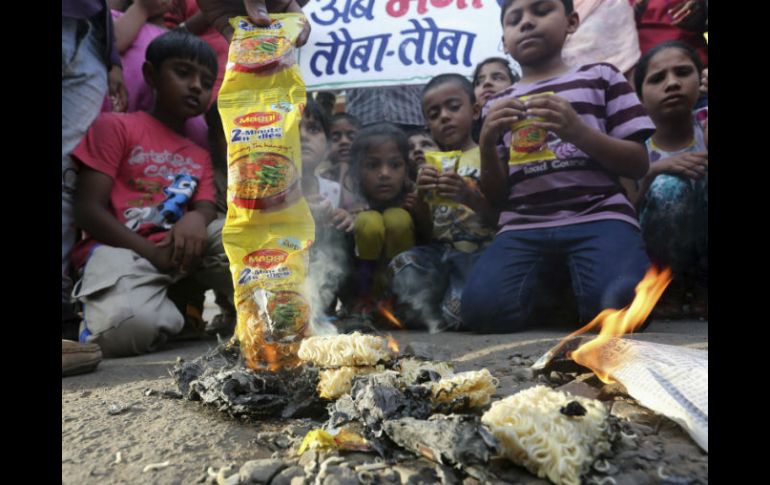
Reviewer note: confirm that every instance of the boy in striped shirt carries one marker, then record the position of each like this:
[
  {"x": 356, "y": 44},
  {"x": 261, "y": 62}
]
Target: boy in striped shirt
[{"x": 564, "y": 214}]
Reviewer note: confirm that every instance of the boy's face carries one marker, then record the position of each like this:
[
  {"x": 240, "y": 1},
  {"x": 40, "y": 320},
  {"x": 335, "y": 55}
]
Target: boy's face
[
  {"x": 182, "y": 86},
  {"x": 449, "y": 113},
  {"x": 671, "y": 86},
  {"x": 383, "y": 171},
  {"x": 313, "y": 141},
  {"x": 418, "y": 145},
  {"x": 534, "y": 30},
  {"x": 343, "y": 132}
]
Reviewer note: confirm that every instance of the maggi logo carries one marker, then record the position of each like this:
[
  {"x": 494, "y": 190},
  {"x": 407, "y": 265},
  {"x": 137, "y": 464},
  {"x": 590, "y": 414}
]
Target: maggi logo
[
  {"x": 258, "y": 119},
  {"x": 265, "y": 258}
]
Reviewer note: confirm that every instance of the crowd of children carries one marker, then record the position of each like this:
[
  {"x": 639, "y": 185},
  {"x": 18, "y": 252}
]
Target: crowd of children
[{"x": 534, "y": 216}]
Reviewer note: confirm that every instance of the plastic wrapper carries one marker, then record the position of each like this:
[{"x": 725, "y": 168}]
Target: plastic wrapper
[
  {"x": 269, "y": 229},
  {"x": 443, "y": 162},
  {"x": 528, "y": 142}
]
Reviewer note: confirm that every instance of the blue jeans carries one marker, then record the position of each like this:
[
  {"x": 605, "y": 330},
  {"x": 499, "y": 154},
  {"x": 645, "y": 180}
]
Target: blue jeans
[
  {"x": 520, "y": 272},
  {"x": 430, "y": 280},
  {"x": 83, "y": 86}
]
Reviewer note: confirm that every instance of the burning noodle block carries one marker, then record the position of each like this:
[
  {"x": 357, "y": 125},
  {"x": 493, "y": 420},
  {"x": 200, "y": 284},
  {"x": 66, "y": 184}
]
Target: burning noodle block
[
  {"x": 333, "y": 383},
  {"x": 534, "y": 432},
  {"x": 472, "y": 389},
  {"x": 355, "y": 349}
]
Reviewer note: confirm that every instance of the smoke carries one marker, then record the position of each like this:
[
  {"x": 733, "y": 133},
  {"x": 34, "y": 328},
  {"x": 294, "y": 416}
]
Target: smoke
[
  {"x": 420, "y": 290},
  {"x": 329, "y": 267}
]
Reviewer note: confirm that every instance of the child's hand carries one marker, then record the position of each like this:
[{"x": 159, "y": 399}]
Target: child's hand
[
  {"x": 343, "y": 220},
  {"x": 117, "y": 89},
  {"x": 557, "y": 115},
  {"x": 188, "y": 239},
  {"x": 704, "y": 82},
  {"x": 410, "y": 201},
  {"x": 427, "y": 178},
  {"x": 690, "y": 14},
  {"x": 453, "y": 186},
  {"x": 690, "y": 164},
  {"x": 162, "y": 256},
  {"x": 502, "y": 114},
  {"x": 319, "y": 206}
]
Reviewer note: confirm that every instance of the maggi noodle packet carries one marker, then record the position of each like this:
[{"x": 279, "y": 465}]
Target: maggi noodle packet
[
  {"x": 528, "y": 141},
  {"x": 443, "y": 162},
  {"x": 269, "y": 229}
]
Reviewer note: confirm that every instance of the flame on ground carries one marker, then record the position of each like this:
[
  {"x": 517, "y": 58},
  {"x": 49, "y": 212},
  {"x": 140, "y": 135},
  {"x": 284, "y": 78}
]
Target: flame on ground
[
  {"x": 392, "y": 344},
  {"x": 270, "y": 351},
  {"x": 389, "y": 316},
  {"x": 615, "y": 323}
]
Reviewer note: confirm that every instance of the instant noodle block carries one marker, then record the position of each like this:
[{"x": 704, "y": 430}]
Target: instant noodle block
[
  {"x": 533, "y": 430},
  {"x": 356, "y": 349},
  {"x": 528, "y": 142},
  {"x": 269, "y": 229},
  {"x": 472, "y": 389},
  {"x": 443, "y": 162}
]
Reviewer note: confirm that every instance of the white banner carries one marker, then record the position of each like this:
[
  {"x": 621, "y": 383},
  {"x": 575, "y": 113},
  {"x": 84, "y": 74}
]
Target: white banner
[{"x": 360, "y": 43}]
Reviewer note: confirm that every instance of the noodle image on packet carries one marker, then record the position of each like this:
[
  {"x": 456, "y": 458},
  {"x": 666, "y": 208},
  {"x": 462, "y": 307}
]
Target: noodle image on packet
[
  {"x": 443, "y": 162},
  {"x": 528, "y": 141},
  {"x": 269, "y": 229}
]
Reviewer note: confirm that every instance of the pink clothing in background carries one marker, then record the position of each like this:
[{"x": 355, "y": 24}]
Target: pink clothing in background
[
  {"x": 140, "y": 95},
  {"x": 607, "y": 33},
  {"x": 655, "y": 26}
]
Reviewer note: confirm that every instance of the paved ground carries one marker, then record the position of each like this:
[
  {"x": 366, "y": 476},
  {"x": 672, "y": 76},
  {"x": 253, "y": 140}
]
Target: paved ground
[{"x": 100, "y": 447}]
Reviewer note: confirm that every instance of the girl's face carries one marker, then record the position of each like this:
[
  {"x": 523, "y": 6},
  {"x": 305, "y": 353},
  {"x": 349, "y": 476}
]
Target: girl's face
[
  {"x": 418, "y": 145},
  {"x": 313, "y": 140},
  {"x": 383, "y": 171},
  {"x": 449, "y": 112},
  {"x": 343, "y": 132},
  {"x": 670, "y": 87},
  {"x": 492, "y": 77}
]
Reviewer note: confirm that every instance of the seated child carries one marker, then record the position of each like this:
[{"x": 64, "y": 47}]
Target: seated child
[
  {"x": 420, "y": 142},
  {"x": 429, "y": 279},
  {"x": 342, "y": 132},
  {"x": 673, "y": 206},
  {"x": 564, "y": 212},
  {"x": 385, "y": 228},
  {"x": 146, "y": 200}
]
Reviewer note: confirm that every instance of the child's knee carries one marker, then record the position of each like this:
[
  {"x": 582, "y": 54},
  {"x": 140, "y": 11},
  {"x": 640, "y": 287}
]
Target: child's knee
[
  {"x": 142, "y": 333},
  {"x": 369, "y": 234},
  {"x": 399, "y": 230}
]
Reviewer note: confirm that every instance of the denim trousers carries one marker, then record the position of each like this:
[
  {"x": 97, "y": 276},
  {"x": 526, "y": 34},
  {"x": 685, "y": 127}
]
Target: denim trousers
[
  {"x": 83, "y": 86},
  {"x": 521, "y": 271}
]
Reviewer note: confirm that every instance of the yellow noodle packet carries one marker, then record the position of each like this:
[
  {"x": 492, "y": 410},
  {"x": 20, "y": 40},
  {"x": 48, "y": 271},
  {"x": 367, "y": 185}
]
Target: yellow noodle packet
[
  {"x": 528, "y": 141},
  {"x": 443, "y": 162},
  {"x": 268, "y": 230}
]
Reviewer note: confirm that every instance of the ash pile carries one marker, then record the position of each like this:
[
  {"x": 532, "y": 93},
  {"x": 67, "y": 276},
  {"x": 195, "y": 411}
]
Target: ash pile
[{"x": 357, "y": 411}]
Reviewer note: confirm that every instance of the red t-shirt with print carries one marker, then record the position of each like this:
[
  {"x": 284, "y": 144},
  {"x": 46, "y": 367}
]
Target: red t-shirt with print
[{"x": 142, "y": 156}]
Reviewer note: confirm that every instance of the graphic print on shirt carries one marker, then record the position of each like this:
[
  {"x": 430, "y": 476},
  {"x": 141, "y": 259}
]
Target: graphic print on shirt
[{"x": 165, "y": 214}]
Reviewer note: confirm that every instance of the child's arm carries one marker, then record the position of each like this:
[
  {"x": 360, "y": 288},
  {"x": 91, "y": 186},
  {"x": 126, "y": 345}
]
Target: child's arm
[
  {"x": 421, "y": 215},
  {"x": 455, "y": 187},
  {"x": 92, "y": 199},
  {"x": 494, "y": 174},
  {"x": 188, "y": 237},
  {"x": 690, "y": 164},
  {"x": 626, "y": 158},
  {"x": 127, "y": 26}
]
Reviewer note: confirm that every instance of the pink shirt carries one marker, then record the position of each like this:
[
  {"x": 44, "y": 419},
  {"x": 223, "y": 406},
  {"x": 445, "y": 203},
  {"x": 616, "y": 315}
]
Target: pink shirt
[{"x": 142, "y": 156}]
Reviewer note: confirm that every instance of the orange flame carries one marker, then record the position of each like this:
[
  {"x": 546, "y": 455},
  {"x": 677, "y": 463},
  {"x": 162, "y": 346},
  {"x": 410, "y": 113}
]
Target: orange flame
[
  {"x": 271, "y": 356},
  {"x": 615, "y": 323},
  {"x": 392, "y": 344},
  {"x": 389, "y": 316}
]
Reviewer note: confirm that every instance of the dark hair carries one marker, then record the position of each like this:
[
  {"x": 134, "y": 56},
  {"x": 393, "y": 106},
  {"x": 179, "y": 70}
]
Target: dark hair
[
  {"x": 346, "y": 116},
  {"x": 461, "y": 81},
  {"x": 418, "y": 131},
  {"x": 641, "y": 68},
  {"x": 569, "y": 7},
  {"x": 314, "y": 111},
  {"x": 181, "y": 45},
  {"x": 365, "y": 139},
  {"x": 490, "y": 60}
]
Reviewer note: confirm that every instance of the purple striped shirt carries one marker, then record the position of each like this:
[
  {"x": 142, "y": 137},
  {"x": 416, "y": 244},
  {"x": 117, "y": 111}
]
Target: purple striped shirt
[{"x": 573, "y": 188}]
